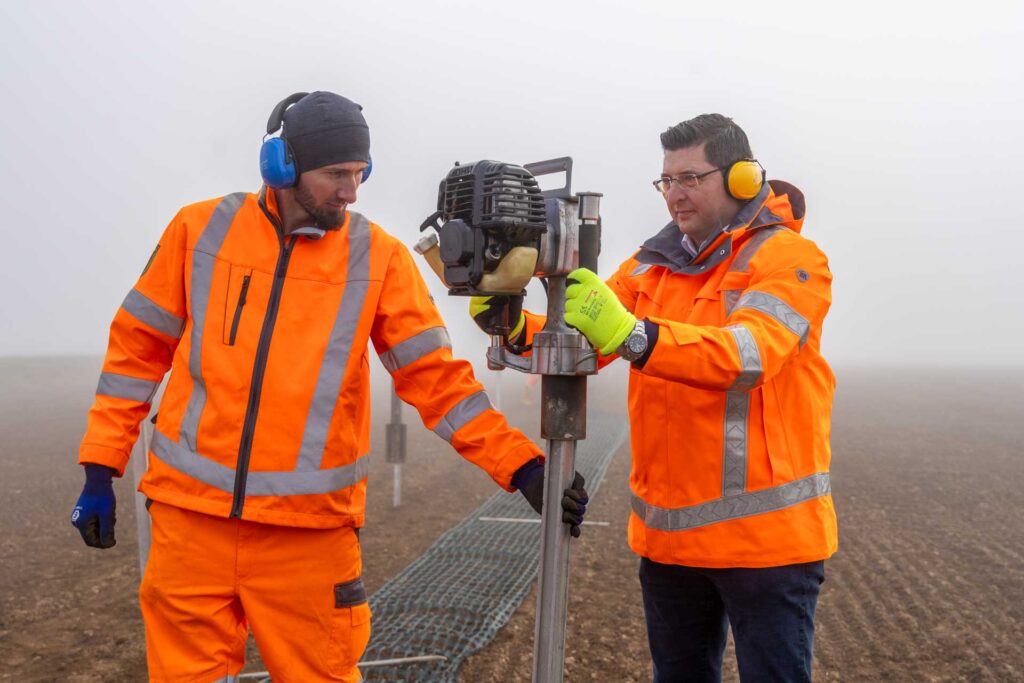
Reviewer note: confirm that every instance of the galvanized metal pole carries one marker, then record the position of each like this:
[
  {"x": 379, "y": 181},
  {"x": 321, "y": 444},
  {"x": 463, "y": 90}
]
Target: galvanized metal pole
[
  {"x": 553, "y": 586},
  {"x": 497, "y": 389},
  {"x": 395, "y": 447},
  {"x": 563, "y": 422},
  {"x": 140, "y": 461},
  {"x": 396, "y": 486}
]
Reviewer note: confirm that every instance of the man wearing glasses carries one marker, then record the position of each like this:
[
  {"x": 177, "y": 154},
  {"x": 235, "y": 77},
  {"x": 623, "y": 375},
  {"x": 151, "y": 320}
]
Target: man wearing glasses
[{"x": 720, "y": 314}]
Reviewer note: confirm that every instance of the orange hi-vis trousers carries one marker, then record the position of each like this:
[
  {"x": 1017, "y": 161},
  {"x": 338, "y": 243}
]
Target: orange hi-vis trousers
[{"x": 210, "y": 579}]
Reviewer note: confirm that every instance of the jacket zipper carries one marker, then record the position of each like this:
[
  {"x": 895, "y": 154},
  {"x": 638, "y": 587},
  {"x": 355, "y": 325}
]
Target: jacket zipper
[
  {"x": 238, "y": 310},
  {"x": 259, "y": 367}
]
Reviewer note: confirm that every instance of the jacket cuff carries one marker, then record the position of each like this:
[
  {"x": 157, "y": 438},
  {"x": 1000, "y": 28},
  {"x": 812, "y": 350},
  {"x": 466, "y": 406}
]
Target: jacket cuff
[
  {"x": 513, "y": 462},
  {"x": 103, "y": 455},
  {"x": 651, "y": 329}
]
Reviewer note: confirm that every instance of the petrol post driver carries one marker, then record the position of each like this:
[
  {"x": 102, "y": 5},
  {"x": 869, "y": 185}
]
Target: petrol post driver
[{"x": 494, "y": 230}]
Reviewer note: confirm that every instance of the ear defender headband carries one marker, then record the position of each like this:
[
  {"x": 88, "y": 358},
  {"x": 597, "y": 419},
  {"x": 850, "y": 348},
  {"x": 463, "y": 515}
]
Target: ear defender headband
[
  {"x": 744, "y": 179},
  {"x": 277, "y": 162}
]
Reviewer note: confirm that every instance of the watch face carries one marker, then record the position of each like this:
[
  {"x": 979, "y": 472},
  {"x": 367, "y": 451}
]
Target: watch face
[{"x": 637, "y": 343}]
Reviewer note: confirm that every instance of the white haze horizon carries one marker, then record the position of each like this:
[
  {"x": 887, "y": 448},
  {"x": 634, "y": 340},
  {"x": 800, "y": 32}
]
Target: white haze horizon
[{"x": 901, "y": 126}]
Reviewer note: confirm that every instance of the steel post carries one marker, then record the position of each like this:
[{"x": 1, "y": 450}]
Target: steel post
[
  {"x": 497, "y": 390},
  {"x": 558, "y": 354},
  {"x": 395, "y": 446},
  {"x": 140, "y": 461},
  {"x": 396, "y": 486},
  {"x": 553, "y": 585},
  {"x": 563, "y": 422}
]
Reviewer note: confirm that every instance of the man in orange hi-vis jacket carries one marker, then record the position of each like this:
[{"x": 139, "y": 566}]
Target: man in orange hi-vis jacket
[
  {"x": 262, "y": 306},
  {"x": 730, "y": 408}
]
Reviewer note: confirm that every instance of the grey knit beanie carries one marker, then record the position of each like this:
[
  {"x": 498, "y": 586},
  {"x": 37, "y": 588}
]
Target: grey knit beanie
[{"x": 323, "y": 129}]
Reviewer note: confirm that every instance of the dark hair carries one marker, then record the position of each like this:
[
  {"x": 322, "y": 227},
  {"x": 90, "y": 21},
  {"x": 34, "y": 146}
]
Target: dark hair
[{"x": 725, "y": 141}]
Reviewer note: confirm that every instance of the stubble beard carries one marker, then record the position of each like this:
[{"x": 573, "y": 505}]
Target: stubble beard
[{"x": 325, "y": 218}]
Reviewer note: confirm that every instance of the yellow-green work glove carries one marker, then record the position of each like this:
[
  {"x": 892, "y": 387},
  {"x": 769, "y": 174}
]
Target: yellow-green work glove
[
  {"x": 489, "y": 314},
  {"x": 593, "y": 309}
]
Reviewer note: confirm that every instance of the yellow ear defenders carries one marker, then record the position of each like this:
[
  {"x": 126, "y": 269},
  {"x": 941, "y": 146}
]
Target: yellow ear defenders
[{"x": 744, "y": 179}]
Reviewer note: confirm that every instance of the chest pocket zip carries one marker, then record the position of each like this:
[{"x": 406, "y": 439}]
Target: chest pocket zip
[{"x": 238, "y": 310}]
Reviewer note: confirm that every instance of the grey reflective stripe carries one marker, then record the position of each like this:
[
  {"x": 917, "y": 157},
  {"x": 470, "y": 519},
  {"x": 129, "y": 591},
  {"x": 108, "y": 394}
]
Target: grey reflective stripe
[
  {"x": 350, "y": 593},
  {"x": 339, "y": 346},
  {"x": 123, "y": 386},
  {"x": 750, "y": 358},
  {"x": 231, "y": 678},
  {"x": 732, "y": 507},
  {"x": 640, "y": 269},
  {"x": 734, "y": 455},
  {"x": 203, "y": 260},
  {"x": 288, "y": 483},
  {"x": 742, "y": 261},
  {"x": 461, "y": 413},
  {"x": 156, "y": 316},
  {"x": 737, "y": 412},
  {"x": 731, "y": 297},
  {"x": 415, "y": 347},
  {"x": 777, "y": 308}
]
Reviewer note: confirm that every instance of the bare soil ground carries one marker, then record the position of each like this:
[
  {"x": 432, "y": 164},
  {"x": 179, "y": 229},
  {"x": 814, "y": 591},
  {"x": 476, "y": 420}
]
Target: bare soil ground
[{"x": 928, "y": 584}]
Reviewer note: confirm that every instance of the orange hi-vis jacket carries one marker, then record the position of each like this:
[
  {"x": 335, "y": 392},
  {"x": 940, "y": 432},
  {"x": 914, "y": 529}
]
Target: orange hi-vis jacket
[
  {"x": 266, "y": 414},
  {"x": 730, "y": 414}
]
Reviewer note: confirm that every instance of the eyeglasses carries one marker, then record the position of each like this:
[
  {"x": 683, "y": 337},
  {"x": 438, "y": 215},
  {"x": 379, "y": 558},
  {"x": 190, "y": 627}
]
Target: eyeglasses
[{"x": 687, "y": 180}]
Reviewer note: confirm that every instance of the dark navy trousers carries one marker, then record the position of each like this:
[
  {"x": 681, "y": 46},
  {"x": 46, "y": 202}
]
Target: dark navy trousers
[{"x": 771, "y": 610}]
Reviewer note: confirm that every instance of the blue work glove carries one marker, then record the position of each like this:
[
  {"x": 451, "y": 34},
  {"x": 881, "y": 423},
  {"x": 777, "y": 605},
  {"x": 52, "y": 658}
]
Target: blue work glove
[
  {"x": 93, "y": 515},
  {"x": 529, "y": 479}
]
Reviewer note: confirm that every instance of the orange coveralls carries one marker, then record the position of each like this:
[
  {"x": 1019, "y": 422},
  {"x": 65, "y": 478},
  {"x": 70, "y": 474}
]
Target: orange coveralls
[
  {"x": 260, "y": 455},
  {"x": 731, "y": 412}
]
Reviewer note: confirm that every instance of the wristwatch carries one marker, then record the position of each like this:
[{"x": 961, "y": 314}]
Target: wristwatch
[{"x": 635, "y": 345}]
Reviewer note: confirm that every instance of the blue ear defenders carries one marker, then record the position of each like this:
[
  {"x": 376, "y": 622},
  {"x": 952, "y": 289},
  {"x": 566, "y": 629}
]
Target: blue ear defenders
[{"x": 277, "y": 163}]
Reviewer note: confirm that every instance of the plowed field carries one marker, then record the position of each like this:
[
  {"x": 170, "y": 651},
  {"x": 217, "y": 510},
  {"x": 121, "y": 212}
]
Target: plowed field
[{"x": 928, "y": 585}]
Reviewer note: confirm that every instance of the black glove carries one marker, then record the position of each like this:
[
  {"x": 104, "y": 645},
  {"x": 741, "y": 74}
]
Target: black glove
[
  {"x": 501, "y": 314},
  {"x": 529, "y": 479},
  {"x": 93, "y": 515}
]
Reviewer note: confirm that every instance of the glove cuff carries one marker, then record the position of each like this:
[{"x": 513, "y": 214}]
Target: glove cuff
[
  {"x": 628, "y": 323},
  {"x": 98, "y": 480},
  {"x": 526, "y": 472}
]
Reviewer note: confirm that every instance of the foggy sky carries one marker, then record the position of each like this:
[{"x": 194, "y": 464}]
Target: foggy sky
[{"x": 902, "y": 127}]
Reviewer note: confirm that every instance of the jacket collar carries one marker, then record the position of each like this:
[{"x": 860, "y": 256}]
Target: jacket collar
[
  {"x": 778, "y": 203},
  {"x": 268, "y": 204},
  {"x": 267, "y": 200}
]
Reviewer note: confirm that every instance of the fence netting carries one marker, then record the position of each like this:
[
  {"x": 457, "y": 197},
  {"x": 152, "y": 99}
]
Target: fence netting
[{"x": 453, "y": 599}]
